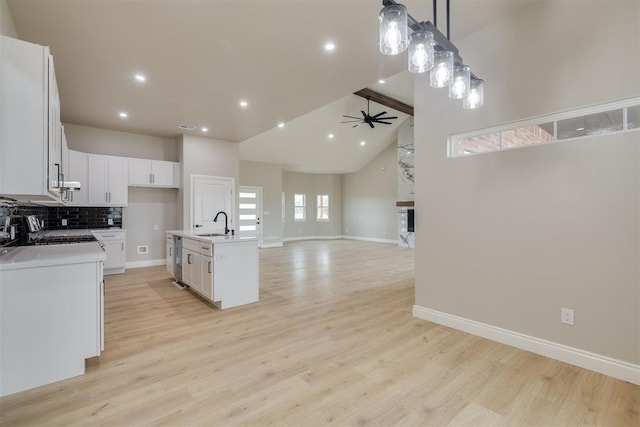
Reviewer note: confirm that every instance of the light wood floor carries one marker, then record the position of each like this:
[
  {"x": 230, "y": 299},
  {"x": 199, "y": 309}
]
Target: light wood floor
[{"x": 332, "y": 341}]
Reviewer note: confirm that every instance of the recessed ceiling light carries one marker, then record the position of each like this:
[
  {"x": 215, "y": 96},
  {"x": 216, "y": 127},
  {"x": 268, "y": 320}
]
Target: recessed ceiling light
[
  {"x": 123, "y": 115},
  {"x": 330, "y": 136},
  {"x": 244, "y": 104},
  {"x": 580, "y": 129},
  {"x": 363, "y": 143},
  {"x": 205, "y": 129},
  {"x": 381, "y": 81},
  {"x": 329, "y": 47},
  {"x": 140, "y": 77},
  {"x": 280, "y": 125}
]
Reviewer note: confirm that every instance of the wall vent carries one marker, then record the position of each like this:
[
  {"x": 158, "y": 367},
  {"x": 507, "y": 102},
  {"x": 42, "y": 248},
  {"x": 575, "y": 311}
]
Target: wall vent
[{"x": 186, "y": 127}]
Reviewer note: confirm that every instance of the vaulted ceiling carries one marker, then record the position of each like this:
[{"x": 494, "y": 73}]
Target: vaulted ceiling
[{"x": 202, "y": 58}]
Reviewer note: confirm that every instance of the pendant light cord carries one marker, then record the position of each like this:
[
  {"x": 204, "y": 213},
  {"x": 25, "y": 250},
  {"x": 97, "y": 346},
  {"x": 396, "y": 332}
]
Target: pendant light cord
[
  {"x": 448, "y": 22},
  {"x": 435, "y": 13}
]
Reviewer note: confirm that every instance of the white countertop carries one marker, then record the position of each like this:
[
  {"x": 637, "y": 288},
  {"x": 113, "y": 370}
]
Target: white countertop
[
  {"x": 20, "y": 257},
  {"x": 212, "y": 239}
]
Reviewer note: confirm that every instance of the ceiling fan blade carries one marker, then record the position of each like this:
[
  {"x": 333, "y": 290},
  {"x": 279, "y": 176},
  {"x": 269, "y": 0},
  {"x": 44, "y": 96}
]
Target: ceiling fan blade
[
  {"x": 363, "y": 113},
  {"x": 384, "y": 123},
  {"x": 356, "y": 125},
  {"x": 379, "y": 114},
  {"x": 386, "y": 118},
  {"x": 351, "y": 121},
  {"x": 371, "y": 124},
  {"x": 351, "y": 117}
]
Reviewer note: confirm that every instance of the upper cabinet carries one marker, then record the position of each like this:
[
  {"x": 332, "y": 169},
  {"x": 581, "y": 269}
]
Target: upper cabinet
[
  {"x": 30, "y": 129},
  {"x": 153, "y": 173},
  {"x": 107, "y": 180}
]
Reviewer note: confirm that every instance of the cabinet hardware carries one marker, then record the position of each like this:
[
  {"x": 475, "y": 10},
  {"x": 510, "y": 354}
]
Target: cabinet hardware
[
  {"x": 170, "y": 254},
  {"x": 153, "y": 178},
  {"x": 209, "y": 267},
  {"x": 150, "y": 178},
  {"x": 188, "y": 258},
  {"x": 108, "y": 235},
  {"x": 204, "y": 247},
  {"x": 122, "y": 245},
  {"x": 198, "y": 225}
]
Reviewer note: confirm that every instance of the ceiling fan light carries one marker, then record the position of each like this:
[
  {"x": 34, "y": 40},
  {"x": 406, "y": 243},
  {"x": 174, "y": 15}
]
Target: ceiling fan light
[
  {"x": 459, "y": 86},
  {"x": 442, "y": 70},
  {"x": 475, "y": 98},
  {"x": 394, "y": 29},
  {"x": 421, "y": 51}
]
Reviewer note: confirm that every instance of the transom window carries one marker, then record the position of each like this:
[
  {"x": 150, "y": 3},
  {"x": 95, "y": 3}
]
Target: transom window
[
  {"x": 322, "y": 207},
  {"x": 607, "y": 118},
  {"x": 299, "y": 207}
]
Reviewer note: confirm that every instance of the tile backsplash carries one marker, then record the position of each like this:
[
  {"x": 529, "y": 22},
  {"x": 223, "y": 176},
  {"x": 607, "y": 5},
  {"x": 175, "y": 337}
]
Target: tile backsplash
[{"x": 77, "y": 218}]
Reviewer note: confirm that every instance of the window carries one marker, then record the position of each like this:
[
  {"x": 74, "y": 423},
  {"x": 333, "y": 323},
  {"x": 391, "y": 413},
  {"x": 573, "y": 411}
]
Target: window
[
  {"x": 607, "y": 118},
  {"x": 299, "y": 207},
  {"x": 323, "y": 207}
]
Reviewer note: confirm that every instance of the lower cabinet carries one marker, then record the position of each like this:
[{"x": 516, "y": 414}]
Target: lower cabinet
[{"x": 114, "y": 242}]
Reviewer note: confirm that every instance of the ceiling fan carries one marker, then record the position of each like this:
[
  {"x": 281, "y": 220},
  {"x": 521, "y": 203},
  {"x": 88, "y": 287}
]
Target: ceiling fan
[{"x": 368, "y": 118}]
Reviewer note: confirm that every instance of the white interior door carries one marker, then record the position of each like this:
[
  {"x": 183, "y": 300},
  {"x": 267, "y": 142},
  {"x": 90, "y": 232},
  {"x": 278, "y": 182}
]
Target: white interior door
[
  {"x": 210, "y": 196},
  {"x": 250, "y": 224}
]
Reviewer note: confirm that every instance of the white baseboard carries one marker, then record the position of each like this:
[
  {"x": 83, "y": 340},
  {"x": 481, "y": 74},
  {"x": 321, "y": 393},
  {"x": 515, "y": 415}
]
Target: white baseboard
[
  {"x": 146, "y": 263},
  {"x": 271, "y": 245},
  {"x": 595, "y": 362},
  {"x": 293, "y": 239},
  {"x": 371, "y": 239}
]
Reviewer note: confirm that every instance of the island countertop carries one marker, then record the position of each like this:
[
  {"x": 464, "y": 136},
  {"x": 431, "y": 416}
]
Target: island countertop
[
  {"x": 41, "y": 256},
  {"x": 211, "y": 239}
]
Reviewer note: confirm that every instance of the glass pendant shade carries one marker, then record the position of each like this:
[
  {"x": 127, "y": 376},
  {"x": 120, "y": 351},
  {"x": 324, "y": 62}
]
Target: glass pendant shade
[
  {"x": 442, "y": 70},
  {"x": 459, "y": 87},
  {"x": 394, "y": 30},
  {"x": 421, "y": 51},
  {"x": 475, "y": 99}
]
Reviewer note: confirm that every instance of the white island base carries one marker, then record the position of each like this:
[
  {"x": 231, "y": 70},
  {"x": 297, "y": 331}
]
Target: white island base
[{"x": 221, "y": 269}]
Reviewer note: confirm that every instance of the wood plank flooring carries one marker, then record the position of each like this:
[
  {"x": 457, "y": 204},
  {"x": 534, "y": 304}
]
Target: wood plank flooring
[{"x": 331, "y": 342}]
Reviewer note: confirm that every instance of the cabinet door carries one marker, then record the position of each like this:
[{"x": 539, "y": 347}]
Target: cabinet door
[
  {"x": 118, "y": 171},
  {"x": 115, "y": 254},
  {"x": 206, "y": 267},
  {"x": 78, "y": 171},
  {"x": 162, "y": 173},
  {"x": 170, "y": 260},
  {"x": 54, "y": 132},
  {"x": 140, "y": 172},
  {"x": 188, "y": 257},
  {"x": 98, "y": 180}
]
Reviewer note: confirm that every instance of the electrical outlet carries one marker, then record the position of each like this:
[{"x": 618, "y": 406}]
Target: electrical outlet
[
  {"x": 64, "y": 222},
  {"x": 566, "y": 316},
  {"x": 144, "y": 249},
  {"x": 110, "y": 221}
]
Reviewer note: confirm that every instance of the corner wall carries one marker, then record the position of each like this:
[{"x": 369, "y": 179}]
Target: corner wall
[
  {"x": 369, "y": 207},
  {"x": 508, "y": 238},
  {"x": 7, "y": 28}
]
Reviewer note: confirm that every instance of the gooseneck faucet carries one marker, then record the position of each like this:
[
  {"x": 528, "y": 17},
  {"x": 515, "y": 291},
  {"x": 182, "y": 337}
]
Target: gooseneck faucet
[{"x": 226, "y": 225}]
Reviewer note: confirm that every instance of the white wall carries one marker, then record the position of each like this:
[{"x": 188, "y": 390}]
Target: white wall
[
  {"x": 147, "y": 206},
  {"x": 312, "y": 185},
  {"x": 509, "y": 238},
  {"x": 369, "y": 207},
  {"x": 204, "y": 156},
  {"x": 7, "y": 28},
  {"x": 269, "y": 177}
]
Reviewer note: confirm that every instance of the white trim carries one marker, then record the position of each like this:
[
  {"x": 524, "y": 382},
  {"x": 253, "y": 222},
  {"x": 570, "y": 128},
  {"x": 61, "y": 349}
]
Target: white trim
[
  {"x": 595, "y": 362},
  {"x": 371, "y": 239},
  {"x": 271, "y": 245},
  {"x": 146, "y": 263},
  {"x": 292, "y": 239}
]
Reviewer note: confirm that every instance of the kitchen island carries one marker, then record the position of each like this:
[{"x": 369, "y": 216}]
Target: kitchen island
[
  {"x": 222, "y": 269},
  {"x": 51, "y": 313}
]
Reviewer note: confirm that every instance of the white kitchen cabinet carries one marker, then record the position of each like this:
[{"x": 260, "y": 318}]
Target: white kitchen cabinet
[
  {"x": 114, "y": 242},
  {"x": 29, "y": 122},
  {"x": 153, "y": 173},
  {"x": 171, "y": 263},
  {"x": 51, "y": 313},
  {"x": 107, "y": 180},
  {"x": 223, "y": 270},
  {"x": 78, "y": 170}
]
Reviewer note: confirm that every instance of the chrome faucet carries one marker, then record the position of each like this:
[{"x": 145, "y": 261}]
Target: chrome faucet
[{"x": 226, "y": 225}]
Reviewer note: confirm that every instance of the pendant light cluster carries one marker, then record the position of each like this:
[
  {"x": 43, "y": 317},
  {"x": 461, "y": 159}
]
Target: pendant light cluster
[{"x": 429, "y": 50}]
